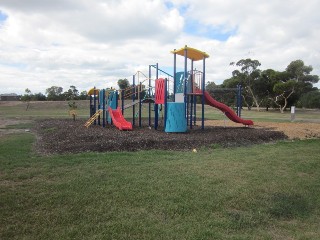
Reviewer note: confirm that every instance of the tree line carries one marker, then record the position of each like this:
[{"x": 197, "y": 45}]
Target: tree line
[
  {"x": 269, "y": 88},
  {"x": 55, "y": 93},
  {"x": 261, "y": 88}
]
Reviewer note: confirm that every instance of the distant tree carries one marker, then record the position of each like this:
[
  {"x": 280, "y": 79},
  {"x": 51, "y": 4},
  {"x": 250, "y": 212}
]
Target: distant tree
[
  {"x": 27, "y": 97},
  {"x": 311, "y": 99},
  {"x": 54, "y": 93},
  {"x": 210, "y": 87},
  {"x": 71, "y": 94},
  {"x": 83, "y": 95},
  {"x": 301, "y": 73},
  {"x": 123, "y": 83},
  {"x": 292, "y": 84},
  {"x": 39, "y": 97},
  {"x": 283, "y": 91},
  {"x": 247, "y": 76}
]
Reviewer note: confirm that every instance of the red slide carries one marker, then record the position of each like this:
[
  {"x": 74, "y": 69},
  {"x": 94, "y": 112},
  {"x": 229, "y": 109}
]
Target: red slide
[
  {"x": 225, "y": 109},
  {"x": 118, "y": 119}
]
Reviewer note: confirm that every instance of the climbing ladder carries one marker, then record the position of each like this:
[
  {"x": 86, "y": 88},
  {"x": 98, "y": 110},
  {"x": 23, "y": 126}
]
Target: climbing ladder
[{"x": 93, "y": 118}]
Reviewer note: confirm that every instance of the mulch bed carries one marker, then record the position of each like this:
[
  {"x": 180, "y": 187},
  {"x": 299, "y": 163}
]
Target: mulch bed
[{"x": 67, "y": 136}]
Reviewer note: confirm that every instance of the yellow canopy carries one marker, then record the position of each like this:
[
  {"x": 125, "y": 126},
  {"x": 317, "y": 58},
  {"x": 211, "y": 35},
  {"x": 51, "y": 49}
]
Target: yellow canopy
[
  {"x": 192, "y": 53},
  {"x": 93, "y": 91}
]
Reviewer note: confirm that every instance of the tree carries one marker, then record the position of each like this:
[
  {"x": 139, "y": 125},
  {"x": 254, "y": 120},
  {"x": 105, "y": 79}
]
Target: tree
[
  {"x": 27, "y": 97},
  {"x": 39, "y": 97},
  {"x": 293, "y": 83},
  {"x": 247, "y": 77},
  {"x": 123, "y": 83},
  {"x": 311, "y": 99},
  {"x": 283, "y": 90},
  {"x": 54, "y": 93},
  {"x": 71, "y": 94},
  {"x": 301, "y": 73},
  {"x": 83, "y": 95},
  {"x": 210, "y": 87}
]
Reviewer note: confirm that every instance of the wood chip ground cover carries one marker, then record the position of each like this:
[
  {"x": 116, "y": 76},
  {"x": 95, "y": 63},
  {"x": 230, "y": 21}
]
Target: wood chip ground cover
[{"x": 67, "y": 136}]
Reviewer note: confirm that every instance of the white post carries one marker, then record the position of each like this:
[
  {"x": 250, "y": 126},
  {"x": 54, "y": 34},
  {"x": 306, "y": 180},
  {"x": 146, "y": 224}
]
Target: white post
[{"x": 293, "y": 113}]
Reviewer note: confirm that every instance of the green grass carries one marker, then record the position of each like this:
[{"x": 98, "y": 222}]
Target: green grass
[
  {"x": 268, "y": 191},
  {"x": 36, "y": 110}
]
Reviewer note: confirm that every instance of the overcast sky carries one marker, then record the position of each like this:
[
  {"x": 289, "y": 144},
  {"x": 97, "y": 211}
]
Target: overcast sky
[{"x": 88, "y": 43}]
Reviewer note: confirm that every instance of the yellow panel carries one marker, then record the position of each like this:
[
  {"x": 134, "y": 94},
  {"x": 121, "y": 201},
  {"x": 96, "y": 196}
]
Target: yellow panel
[
  {"x": 192, "y": 53},
  {"x": 90, "y": 92}
]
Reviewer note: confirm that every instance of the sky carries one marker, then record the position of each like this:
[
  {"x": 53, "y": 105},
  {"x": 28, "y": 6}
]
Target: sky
[{"x": 88, "y": 43}]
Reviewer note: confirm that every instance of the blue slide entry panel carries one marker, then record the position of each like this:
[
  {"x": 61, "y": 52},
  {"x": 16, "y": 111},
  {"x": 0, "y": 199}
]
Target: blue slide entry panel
[
  {"x": 112, "y": 102},
  {"x": 179, "y": 82},
  {"x": 176, "y": 117}
]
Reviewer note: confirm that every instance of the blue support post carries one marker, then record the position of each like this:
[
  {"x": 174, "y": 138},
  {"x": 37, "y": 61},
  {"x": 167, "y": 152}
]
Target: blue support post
[
  {"x": 140, "y": 103},
  {"x": 91, "y": 106},
  {"x": 99, "y": 107},
  {"x": 94, "y": 104},
  {"x": 157, "y": 74},
  {"x": 165, "y": 101},
  {"x": 104, "y": 108},
  {"x": 191, "y": 96},
  {"x": 149, "y": 107},
  {"x": 133, "y": 99},
  {"x": 203, "y": 89},
  {"x": 239, "y": 100},
  {"x": 156, "y": 116},
  {"x": 195, "y": 109},
  {"x": 156, "y": 106},
  {"x": 185, "y": 79},
  {"x": 122, "y": 101},
  {"x": 174, "y": 75}
]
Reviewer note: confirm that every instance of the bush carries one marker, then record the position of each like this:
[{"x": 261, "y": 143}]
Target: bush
[{"x": 310, "y": 100}]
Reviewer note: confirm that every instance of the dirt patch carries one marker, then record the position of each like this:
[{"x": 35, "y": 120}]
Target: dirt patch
[
  {"x": 294, "y": 130},
  {"x": 4, "y": 123},
  {"x": 67, "y": 136}
]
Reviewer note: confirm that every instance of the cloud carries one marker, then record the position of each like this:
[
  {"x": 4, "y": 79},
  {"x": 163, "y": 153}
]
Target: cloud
[{"x": 86, "y": 43}]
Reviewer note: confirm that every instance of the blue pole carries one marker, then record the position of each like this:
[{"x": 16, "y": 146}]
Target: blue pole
[
  {"x": 195, "y": 109},
  {"x": 185, "y": 79},
  {"x": 91, "y": 111},
  {"x": 122, "y": 101},
  {"x": 240, "y": 99},
  {"x": 140, "y": 102},
  {"x": 156, "y": 106},
  {"x": 165, "y": 102},
  {"x": 191, "y": 97},
  {"x": 104, "y": 108},
  {"x": 157, "y": 74},
  {"x": 94, "y": 103},
  {"x": 203, "y": 89},
  {"x": 149, "y": 95},
  {"x": 174, "y": 75},
  {"x": 133, "y": 99}
]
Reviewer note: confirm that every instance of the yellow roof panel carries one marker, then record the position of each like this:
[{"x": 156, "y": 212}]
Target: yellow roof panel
[
  {"x": 93, "y": 91},
  {"x": 192, "y": 53}
]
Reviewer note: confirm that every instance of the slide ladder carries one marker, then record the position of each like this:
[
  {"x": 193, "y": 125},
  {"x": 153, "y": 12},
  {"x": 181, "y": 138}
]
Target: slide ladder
[{"x": 93, "y": 118}]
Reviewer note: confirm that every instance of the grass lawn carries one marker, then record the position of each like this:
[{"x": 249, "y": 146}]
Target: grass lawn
[
  {"x": 263, "y": 192},
  {"x": 269, "y": 191}
]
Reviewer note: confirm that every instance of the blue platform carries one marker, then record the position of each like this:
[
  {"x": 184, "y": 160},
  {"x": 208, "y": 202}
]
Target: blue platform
[{"x": 176, "y": 117}]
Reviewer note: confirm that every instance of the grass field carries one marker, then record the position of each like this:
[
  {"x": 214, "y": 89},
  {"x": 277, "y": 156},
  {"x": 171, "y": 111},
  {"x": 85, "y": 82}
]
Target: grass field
[{"x": 269, "y": 191}]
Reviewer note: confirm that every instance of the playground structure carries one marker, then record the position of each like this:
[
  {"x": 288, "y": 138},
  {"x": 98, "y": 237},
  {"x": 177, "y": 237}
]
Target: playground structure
[{"x": 175, "y": 96}]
